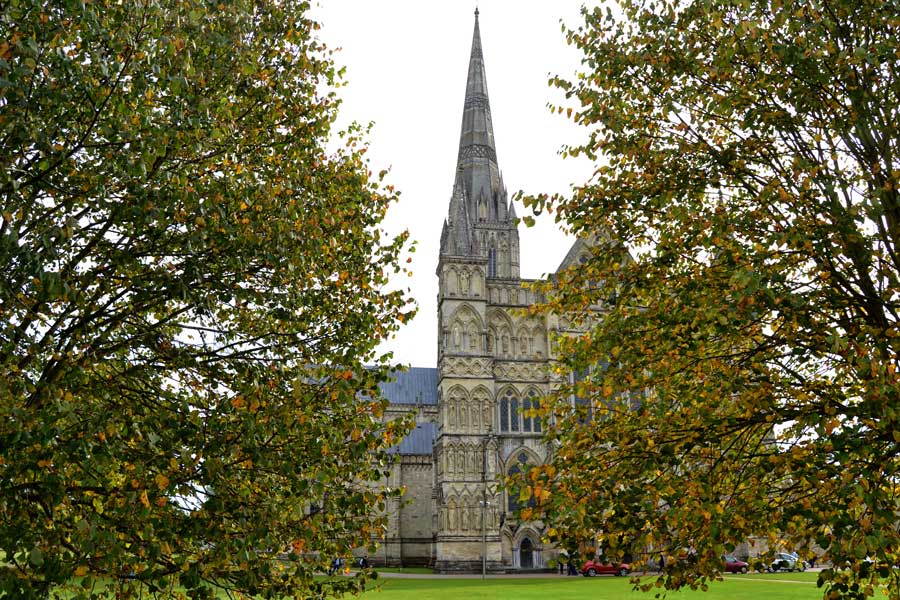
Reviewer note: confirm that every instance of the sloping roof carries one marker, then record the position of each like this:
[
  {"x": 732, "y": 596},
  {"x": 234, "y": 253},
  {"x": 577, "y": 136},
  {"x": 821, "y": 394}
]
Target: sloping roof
[
  {"x": 419, "y": 441},
  {"x": 417, "y": 385}
]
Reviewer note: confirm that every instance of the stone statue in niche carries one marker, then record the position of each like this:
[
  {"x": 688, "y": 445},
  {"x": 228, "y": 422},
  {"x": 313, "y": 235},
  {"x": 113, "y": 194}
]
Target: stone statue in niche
[
  {"x": 491, "y": 461},
  {"x": 464, "y": 283}
]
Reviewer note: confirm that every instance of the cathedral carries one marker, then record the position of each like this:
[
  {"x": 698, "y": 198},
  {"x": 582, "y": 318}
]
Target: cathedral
[{"x": 494, "y": 361}]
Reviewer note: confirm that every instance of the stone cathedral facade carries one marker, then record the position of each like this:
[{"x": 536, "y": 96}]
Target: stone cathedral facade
[{"x": 493, "y": 363}]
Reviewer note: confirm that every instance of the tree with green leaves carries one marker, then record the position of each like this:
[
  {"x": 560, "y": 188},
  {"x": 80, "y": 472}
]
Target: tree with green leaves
[
  {"x": 193, "y": 278},
  {"x": 740, "y": 308}
]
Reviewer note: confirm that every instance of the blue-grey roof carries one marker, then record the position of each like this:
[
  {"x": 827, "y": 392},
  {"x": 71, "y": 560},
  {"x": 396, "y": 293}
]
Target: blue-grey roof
[
  {"x": 417, "y": 385},
  {"x": 419, "y": 441}
]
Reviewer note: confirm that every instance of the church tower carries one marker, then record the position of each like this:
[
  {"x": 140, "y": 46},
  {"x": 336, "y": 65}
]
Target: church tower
[
  {"x": 475, "y": 423},
  {"x": 478, "y": 273}
]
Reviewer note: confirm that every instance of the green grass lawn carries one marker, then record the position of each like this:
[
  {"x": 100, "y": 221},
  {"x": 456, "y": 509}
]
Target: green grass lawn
[
  {"x": 795, "y": 586},
  {"x": 776, "y": 586}
]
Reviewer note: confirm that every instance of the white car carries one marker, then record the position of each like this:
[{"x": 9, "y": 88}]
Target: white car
[{"x": 787, "y": 561}]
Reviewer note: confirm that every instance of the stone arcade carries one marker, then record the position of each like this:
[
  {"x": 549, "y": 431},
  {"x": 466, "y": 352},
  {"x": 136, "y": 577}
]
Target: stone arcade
[{"x": 492, "y": 363}]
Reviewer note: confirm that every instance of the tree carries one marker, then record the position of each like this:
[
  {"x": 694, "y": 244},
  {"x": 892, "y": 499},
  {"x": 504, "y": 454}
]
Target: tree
[
  {"x": 193, "y": 279},
  {"x": 743, "y": 358}
]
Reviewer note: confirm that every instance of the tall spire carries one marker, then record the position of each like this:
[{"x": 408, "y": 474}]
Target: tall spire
[
  {"x": 477, "y": 159},
  {"x": 479, "y": 224}
]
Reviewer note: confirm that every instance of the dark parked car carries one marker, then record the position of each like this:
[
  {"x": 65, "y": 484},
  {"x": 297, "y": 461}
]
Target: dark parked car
[
  {"x": 592, "y": 568},
  {"x": 787, "y": 561},
  {"x": 733, "y": 565}
]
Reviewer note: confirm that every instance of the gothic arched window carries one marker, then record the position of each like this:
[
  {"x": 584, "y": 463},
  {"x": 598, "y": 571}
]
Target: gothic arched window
[
  {"x": 536, "y": 421},
  {"x": 521, "y": 465},
  {"x": 514, "y": 413},
  {"x": 526, "y": 419},
  {"x": 504, "y": 412}
]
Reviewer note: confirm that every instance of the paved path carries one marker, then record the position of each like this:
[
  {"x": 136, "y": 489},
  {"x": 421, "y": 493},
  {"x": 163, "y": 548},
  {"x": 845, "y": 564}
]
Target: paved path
[{"x": 395, "y": 575}]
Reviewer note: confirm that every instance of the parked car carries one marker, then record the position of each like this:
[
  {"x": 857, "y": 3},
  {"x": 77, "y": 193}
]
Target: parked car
[
  {"x": 592, "y": 568},
  {"x": 733, "y": 565},
  {"x": 787, "y": 561}
]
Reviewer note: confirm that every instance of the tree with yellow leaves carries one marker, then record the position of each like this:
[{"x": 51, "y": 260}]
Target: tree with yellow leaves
[
  {"x": 192, "y": 282},
  {"x": 743, "y": 363}
]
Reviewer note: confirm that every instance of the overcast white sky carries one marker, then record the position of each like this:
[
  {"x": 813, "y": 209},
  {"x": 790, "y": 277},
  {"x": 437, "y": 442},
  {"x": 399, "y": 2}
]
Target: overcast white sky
[{"x": 406, "y": 66}]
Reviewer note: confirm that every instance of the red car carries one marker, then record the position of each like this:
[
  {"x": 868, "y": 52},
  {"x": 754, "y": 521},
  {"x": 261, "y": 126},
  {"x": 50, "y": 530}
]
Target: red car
[
  {"x": 592, "y": 568},
  {"x": 733, "y": 565}
]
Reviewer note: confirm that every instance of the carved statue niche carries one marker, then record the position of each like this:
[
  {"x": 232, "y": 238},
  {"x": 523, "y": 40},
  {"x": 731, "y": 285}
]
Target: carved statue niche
[
  {"x": 464, "y": 283},
  {"x": 451, "y": 285},
  {"x": 451, "y": 517},
  {"x": 503, "y": 260},
  {"x": 476, "y": 283},
  {"x": 463, "y": 413},
  {"x": 476, "y": 413},
  {"x": 540, "y": 342},
  {"x": 491, "y": 461},
  {"x": 486, "y": 413},
  {"x": 524, "y": 342},
  {"x": 457, "y": 337},
  {"x": 451, "y": 413}
]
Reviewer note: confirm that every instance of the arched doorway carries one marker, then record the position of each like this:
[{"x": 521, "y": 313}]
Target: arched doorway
[{"x": 526, "y": 554}]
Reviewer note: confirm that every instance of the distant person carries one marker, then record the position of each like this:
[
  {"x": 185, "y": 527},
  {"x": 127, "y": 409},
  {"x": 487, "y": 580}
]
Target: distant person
[
  {"x": 336, "y": 565},
  {"x": 662, "y": 563},
  {"x": 572, "y": 570}
]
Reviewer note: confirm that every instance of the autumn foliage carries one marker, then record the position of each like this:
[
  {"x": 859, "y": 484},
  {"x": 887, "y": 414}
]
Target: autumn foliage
[
  {"x": 192, "y": 280},
  {"x": 743, "y": 363}
]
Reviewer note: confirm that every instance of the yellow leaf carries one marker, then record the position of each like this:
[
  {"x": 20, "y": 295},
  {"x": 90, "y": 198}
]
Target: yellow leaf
[
  {"x": 144, "y": 499},
  {"x": 81, "y": 571},
  {"x": 162, "y": 482}
]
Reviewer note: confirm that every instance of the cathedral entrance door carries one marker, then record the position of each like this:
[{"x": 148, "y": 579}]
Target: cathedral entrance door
[{"x": 526, "y": 554}]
